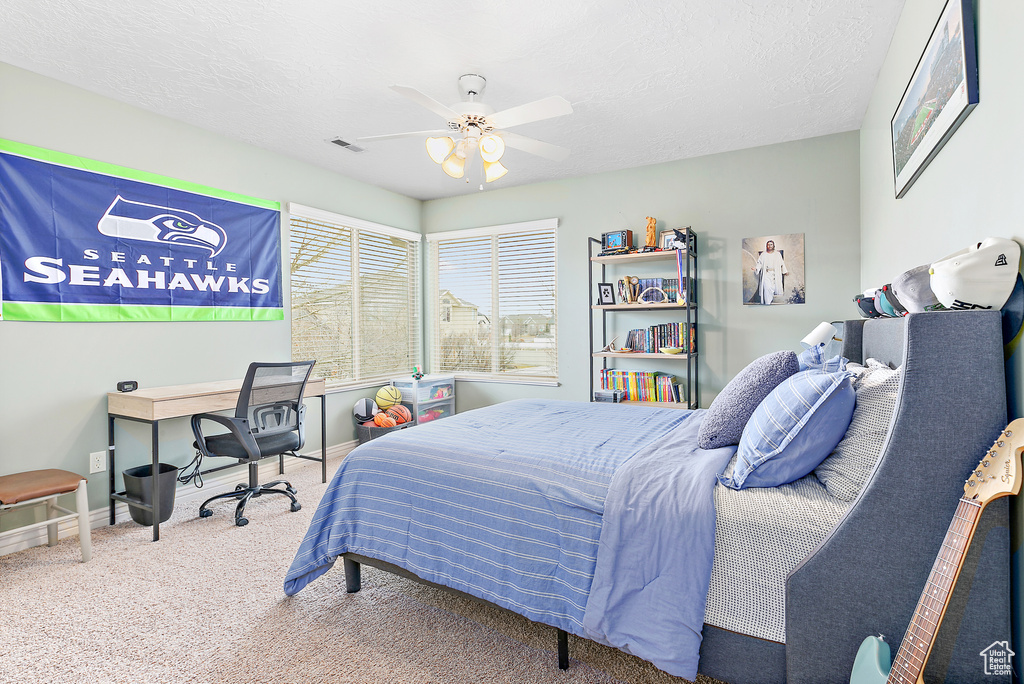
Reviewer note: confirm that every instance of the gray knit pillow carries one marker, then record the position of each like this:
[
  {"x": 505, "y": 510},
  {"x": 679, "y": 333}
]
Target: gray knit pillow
[{"x": 728, "y": 414}]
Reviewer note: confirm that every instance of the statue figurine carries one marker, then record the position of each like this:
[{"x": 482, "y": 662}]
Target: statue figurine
[{"x": 652, "y": 239}]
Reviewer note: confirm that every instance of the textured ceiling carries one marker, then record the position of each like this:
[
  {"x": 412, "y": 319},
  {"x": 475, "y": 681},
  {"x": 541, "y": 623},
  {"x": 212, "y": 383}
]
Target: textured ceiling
[{"x": 650, "y": 81}]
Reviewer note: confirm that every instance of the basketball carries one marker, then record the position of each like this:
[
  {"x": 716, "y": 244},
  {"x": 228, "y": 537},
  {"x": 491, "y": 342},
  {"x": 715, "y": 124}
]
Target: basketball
[
  {"x": 400, "y": 413},
  {"x": 384, "y": 420},
  {"x": 364, "y": 410},
  {"x": 388, "y": 396}
]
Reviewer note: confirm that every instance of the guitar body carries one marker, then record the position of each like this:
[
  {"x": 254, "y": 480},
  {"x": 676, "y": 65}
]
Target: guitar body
[{"x": 872, "y": 663}]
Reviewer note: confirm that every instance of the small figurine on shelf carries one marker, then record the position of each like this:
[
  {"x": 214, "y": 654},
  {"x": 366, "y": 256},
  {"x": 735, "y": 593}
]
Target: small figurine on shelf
[
  {"x": 652, "y": 241},
  {"x": 679, "y": 241},
  {"x": 417, "y": 373}
]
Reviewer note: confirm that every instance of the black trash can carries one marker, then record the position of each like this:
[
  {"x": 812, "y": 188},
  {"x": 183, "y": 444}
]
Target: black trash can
[{"x": 138, "y": 484}]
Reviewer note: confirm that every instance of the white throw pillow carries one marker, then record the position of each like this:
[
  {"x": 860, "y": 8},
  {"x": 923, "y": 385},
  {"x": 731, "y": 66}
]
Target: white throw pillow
[{"x": 847, "y": 468}]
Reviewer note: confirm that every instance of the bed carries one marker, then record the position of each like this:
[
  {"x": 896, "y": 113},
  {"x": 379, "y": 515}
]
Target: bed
[{"x": 606, "y": 522}]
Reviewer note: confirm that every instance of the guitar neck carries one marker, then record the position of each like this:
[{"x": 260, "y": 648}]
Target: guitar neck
[{"x": 920, "y": 635}]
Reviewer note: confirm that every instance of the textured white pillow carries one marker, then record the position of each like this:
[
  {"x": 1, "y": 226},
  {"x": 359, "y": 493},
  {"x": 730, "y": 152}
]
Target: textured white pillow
[{"x": 846, "y": 470}]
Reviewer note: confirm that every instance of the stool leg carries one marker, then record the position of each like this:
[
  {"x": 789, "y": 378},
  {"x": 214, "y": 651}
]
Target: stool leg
[
  {"x": 51, "y": 530},
  {"x": 84, "y": 532}
]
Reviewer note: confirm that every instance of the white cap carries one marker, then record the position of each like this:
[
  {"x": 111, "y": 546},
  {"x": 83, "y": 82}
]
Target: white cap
[{"x": 979, "y": 277}]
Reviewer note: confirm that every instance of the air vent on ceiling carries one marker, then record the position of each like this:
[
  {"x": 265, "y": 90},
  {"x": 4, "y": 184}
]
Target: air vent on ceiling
[{"x": 351, "y": 147}]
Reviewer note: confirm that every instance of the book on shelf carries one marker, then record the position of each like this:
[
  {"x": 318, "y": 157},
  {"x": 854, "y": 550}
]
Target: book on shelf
[
  {"x": 653, "y": 339},
  {"x": 641, "y": 385},
  {"x": 666, "y": 290}
]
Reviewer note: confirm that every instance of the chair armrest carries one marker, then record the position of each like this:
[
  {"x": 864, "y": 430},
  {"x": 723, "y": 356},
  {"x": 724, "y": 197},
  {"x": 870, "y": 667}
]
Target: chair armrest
[{"x": 239, "y": 428}]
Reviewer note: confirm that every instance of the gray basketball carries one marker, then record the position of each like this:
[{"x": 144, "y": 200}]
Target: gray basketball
[{"x": 364, "y": 410}]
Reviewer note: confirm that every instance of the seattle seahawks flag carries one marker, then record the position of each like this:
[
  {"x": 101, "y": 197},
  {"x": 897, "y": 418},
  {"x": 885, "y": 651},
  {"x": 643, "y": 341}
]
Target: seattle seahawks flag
[{"x": 86, "y": 241}]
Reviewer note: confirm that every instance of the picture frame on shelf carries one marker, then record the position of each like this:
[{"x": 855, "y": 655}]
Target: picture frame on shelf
[
  {"x": 941, "y": 93},
  {"x": 605, "y": 294},
  {"x": 666, "y": 240}
]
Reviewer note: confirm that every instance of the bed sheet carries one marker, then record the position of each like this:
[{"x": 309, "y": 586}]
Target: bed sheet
[{"x": 507, "y": 503}]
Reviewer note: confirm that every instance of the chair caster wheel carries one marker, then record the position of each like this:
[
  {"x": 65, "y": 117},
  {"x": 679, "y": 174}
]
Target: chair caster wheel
[
  {"x": 291, "y": 490},
  {"x": 239, "y": 487},
  {"x": 205, "y": 512},
  {"x": 296, "y": 507},
  {"x": 241, "y": 522}
]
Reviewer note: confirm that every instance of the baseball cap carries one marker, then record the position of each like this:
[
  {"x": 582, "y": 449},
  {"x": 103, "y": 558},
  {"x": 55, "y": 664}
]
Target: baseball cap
[
  {"x": 914, "y": 292},
  {"x": 866, "y": 305},
  {"x": 890, "y": 297},
  {"x": 979, "y": 277},
  {"x": 883, "y": 305}
]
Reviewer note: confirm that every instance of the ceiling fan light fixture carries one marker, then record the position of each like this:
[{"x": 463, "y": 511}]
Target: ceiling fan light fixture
[
  {"x": 454, "y": 166},
  {"x": 493, "y": 170},
  {"x": 463, "y": 148},
  {"x": 491, "y": 148},
  {"x": 439, "y": 148}
]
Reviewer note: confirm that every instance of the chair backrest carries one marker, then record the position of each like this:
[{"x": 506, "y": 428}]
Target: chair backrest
[{"x": 271, "y": 396}]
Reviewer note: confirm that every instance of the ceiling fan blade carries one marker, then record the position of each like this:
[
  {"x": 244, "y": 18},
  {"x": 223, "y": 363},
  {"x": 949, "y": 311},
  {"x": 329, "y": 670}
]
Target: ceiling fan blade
[
  {"x": 428, "y": 102},
  {"x": 531, "y": 111},
  {"x": 411, "y": 134},
  {"x": 537, "y": 147}
]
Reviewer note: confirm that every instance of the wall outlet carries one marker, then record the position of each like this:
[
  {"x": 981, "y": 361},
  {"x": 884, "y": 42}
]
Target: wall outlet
[{"x": 97, "y": 462}]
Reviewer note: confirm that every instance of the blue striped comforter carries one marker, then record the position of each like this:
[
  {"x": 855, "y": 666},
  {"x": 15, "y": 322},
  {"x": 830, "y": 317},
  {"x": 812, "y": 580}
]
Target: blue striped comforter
[{"x": 505, "y": 503}]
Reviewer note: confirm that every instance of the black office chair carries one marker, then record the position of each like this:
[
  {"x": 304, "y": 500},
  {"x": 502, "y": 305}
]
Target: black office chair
[{"x": 268, "y": 421}]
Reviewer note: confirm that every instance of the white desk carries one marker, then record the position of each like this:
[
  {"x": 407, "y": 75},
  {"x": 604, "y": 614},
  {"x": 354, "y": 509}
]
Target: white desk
[{"x": 153, "y": 404}]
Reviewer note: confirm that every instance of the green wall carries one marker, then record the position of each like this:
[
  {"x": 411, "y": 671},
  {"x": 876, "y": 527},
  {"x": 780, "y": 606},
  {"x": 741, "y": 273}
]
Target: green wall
[
  {"x": 808, "y": 186},
  {"x": 54, "y": 376},
  {"x": 973, "y": 189}
]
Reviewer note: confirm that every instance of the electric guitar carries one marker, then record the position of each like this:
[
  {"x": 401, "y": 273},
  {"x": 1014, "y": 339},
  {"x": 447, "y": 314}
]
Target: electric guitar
[{"x": 996, "y": 476}]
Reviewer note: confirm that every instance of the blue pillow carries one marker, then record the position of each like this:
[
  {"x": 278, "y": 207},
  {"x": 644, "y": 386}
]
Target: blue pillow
[
  {"x": 814, "y": 359},
  {"x": 724, "y": 420},
  {"x": 794, "y": 429}
]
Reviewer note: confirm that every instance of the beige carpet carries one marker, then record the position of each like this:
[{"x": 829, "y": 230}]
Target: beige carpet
[{"x": 205, "y": 604}]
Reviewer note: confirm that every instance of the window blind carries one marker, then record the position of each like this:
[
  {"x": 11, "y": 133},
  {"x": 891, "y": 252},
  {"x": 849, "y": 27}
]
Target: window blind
[
  {"x": 493, "y": 291},
  {"x": 354, "y": 296}
]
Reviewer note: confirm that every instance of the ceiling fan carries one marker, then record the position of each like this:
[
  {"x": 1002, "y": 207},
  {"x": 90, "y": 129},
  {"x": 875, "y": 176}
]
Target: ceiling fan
[{"x": 473, "y": 125}]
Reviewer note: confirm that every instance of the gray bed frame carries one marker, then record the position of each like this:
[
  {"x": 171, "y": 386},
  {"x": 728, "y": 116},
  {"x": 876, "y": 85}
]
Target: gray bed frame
[{"x": 866, "y": 576}]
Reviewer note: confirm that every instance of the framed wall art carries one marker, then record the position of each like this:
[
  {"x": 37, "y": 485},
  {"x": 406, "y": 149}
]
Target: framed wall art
[
  {"x": 940, "y": 95},
  {"x": 773, "y": 269}
]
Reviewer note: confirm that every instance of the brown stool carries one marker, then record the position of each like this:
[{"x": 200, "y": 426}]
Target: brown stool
[{"x": 44, "y": 486}]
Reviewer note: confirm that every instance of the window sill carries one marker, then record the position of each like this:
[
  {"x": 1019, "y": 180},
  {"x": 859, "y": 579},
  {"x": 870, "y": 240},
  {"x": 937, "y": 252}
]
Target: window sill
[
  {"x": 337, "y": 387},
  {"x": 509, "y": 380}
]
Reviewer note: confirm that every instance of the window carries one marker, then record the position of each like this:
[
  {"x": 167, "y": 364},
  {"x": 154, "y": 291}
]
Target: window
[
  {"x": 495, "y": 292},
  {"x": 355, "y": 293}
]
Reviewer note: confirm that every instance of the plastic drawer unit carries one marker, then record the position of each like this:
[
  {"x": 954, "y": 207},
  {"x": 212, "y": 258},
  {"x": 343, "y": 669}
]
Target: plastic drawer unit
[{"x": 428, "y": 398}]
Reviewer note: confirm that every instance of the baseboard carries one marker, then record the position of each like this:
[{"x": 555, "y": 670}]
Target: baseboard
[{"x": 224, "y": 482}]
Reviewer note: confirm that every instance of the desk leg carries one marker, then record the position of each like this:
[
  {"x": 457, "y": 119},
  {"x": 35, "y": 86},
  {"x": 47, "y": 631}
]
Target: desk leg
[
  {"x": 323, "y": 436},
  {"x": 110, "y": 466},
  {"x": 155, "y": 472}
]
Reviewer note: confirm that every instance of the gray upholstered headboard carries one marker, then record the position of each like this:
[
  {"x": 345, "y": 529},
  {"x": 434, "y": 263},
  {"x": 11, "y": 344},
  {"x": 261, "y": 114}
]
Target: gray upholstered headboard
[
  {"x": 883, "y": 339},
  {"x": 867, "y": 575}
]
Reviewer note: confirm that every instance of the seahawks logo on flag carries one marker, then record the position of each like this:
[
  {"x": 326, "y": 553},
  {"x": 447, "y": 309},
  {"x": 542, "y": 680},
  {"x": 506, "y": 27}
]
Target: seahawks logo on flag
[{"x": 151, "y": 223}]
